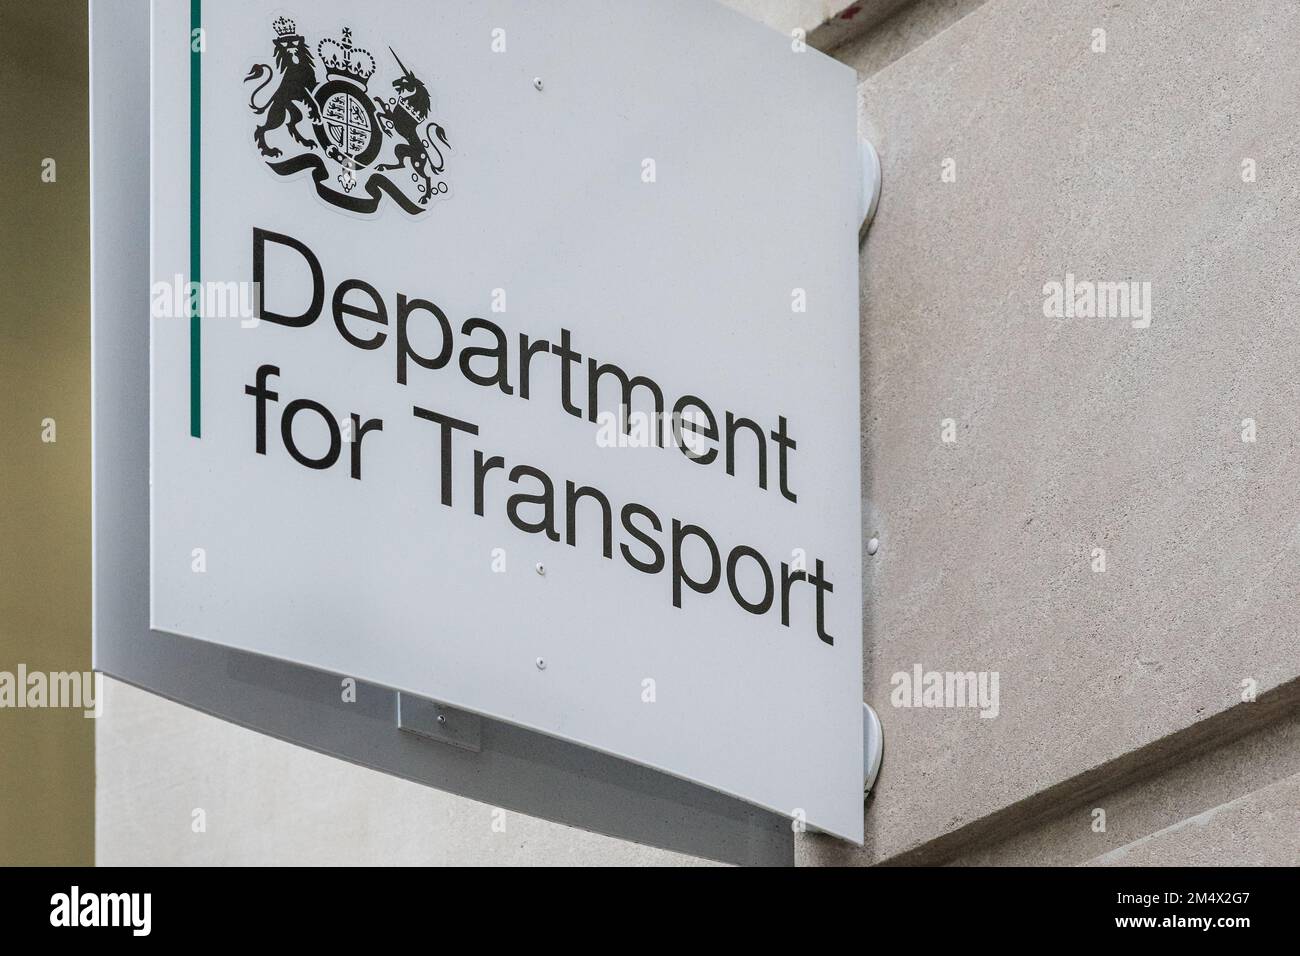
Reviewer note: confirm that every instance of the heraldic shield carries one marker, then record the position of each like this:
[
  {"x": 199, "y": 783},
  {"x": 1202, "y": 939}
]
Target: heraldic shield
[{"x": 350, "y": 127}]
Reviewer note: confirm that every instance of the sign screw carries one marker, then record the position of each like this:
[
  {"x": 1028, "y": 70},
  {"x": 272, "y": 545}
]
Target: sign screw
[
  {"x": 541, "y": 569},
  {"x": 537, "y": 83},
  {"x": 442, "y": 718},
  {"x": 873, "y": 546},
  {"x": 541, "y": 663}
]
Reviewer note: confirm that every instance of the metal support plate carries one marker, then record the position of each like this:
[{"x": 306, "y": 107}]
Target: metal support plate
[{"x": 439, "y": 722}]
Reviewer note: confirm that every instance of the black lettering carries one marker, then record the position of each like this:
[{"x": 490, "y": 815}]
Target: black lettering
[
  {"x": 263, "y": 395},
  {"x": 680, "y": 533},
  {"x": 823, "y": 587},
  {"x": 286, "y": 432},
  {"x": 260, "y": 238},
  {"x": 595, "y": 371},
  {"x": 646, "y": 567},
  {"x": 784, "y": 443},
  {"x": 573, "y": 496},
  {"x": 568, "y": 358},
  {"x": 708, "y": 431},
  {"x": 378, "y": 314},
  {"x": 527, "y": 349},
  {"x": 447, "y": 425},
  {"x": 499, "y": 351},
  {"x": 482, "y": 468},
  {"x": 545, "y": 498},
  {"x": 743, "y": 551},
  {"x": 404, "y": 351},
  {"x": 788, "y": 578},
  {"x": 734, "y": 425},
  {"x": 359, "y": 431}
]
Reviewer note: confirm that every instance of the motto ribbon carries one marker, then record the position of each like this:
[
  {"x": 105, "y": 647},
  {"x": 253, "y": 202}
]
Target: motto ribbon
[{"x": 376, "y": 185}]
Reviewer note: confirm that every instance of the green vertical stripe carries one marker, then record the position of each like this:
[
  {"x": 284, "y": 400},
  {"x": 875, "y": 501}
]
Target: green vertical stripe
[{"x": 196, "y": 143}]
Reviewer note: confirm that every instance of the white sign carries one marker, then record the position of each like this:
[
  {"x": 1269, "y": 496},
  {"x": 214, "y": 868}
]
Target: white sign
[{"x": 506, "y": 354}]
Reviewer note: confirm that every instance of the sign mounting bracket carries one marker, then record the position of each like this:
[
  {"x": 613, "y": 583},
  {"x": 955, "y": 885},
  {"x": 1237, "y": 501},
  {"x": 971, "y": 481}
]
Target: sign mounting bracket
[
  {"x": 870, "y": 161},
  {"x": 438, "y": 722}
]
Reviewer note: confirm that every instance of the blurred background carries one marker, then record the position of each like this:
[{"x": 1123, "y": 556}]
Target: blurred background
[{"x": 47, "y": 776}]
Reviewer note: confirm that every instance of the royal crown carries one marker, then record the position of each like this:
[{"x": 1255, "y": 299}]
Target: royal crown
[
  {"x": 341, "y": 58},
  {"x": 284, "y": 27}
]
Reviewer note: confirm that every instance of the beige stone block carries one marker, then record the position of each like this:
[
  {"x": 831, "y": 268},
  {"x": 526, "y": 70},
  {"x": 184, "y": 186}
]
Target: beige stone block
[
  {"x": 1077, "y": 434},
  {"x": 1258, "y": 829}
]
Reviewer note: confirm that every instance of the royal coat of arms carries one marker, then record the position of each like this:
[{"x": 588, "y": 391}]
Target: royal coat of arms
[{"x": 350, "y": 128}]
